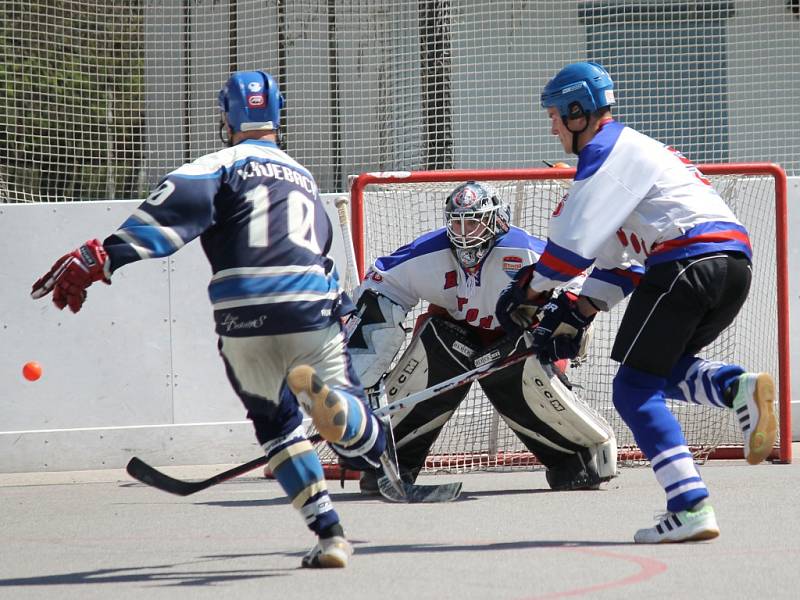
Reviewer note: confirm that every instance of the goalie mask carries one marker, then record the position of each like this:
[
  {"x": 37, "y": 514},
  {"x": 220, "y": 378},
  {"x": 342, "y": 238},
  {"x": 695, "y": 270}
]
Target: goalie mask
[{"x": 475, "y": 218}]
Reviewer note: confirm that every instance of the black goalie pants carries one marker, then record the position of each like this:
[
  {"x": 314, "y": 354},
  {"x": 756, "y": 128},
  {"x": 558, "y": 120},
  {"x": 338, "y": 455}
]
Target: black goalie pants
[{"x": 418, "y": 430}]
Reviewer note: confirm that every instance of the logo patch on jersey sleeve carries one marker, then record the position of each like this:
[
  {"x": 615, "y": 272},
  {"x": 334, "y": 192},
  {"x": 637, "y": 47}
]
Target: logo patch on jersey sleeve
[
  {"x": 511, "y": 264},
  {"x": 450, "y": 280}
]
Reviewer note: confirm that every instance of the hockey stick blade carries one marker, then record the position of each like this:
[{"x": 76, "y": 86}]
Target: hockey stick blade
[
  {"x": 141, "y": 471},
  {"x": 419, "y": 493}
]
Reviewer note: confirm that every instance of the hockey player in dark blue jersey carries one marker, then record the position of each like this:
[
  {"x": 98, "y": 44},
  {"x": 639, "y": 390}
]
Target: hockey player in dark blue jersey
[{"x": 275, "y": 293}]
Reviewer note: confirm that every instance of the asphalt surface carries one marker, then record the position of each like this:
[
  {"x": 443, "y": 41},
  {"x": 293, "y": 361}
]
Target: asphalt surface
[{"x": 98, "y": 534}]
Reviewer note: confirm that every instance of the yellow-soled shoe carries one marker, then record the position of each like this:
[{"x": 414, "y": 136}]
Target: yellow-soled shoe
[
  {"x": 754, "y": 405},
  {"x": 328, "y": 410},
  {"x": 329, "y": 553}
]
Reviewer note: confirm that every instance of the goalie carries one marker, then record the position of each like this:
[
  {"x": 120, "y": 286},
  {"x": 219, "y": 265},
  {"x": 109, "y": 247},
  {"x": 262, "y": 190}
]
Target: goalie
[{"x": 460, "y": 270}]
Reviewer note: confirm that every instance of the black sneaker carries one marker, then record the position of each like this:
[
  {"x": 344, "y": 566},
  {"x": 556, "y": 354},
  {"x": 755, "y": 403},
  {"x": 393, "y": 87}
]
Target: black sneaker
[{"x": 368, "y": 484}]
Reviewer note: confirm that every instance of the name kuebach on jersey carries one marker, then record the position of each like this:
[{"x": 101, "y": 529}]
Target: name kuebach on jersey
[{"x": 263, "y": 228}]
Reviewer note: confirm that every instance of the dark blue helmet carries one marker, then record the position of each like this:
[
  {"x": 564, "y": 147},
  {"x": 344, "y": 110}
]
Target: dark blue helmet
[
  {"x": 579, "y": 89},
  {"x": 251, "y": 101}
]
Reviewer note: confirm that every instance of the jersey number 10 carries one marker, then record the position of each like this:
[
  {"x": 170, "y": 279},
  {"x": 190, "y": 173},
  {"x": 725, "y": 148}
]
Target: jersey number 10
[{"x": 299, "y": 216}]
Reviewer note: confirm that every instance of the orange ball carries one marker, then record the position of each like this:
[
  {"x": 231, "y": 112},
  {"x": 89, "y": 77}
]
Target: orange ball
[{"x": 32, "y": 371}]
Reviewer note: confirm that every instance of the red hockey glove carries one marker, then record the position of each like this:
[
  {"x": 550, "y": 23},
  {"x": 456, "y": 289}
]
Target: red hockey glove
[{"x": 71, "y": 274}]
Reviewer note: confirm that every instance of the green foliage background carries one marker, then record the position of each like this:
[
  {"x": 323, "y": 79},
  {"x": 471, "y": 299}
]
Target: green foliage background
[{"x": 72, "y": 108}]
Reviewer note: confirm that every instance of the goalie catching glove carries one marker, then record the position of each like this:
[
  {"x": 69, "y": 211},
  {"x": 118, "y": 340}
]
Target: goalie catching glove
[{"x": 71, "y": 274}]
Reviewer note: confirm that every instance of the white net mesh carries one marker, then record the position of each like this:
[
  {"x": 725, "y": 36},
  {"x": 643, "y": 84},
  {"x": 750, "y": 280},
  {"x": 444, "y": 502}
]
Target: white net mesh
[
  {"x": 102, "y": 98},
  {"x": 475, "y": 437}
]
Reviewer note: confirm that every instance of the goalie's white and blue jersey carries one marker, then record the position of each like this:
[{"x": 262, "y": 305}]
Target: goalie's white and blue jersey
[
  {"x": 427, "y": 270},
  {"x": 263, "y": 228},
  {"x": 635, "y": 202}
]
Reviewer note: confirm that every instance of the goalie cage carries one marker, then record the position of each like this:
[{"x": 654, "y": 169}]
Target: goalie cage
[{"x": 392, "y": 208}]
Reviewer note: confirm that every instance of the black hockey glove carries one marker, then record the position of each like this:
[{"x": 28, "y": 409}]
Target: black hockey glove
[
  {"x": 563, "y": 312},
  {"x": 514, "y": 311}
]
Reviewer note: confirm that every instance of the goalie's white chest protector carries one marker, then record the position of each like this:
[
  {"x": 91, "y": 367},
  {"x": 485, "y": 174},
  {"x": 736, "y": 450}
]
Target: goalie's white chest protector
[{"x": 427, "y": 270}]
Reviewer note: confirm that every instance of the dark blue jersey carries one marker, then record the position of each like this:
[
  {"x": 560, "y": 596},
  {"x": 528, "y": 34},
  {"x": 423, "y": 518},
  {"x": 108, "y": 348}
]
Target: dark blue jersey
[{"x": 263, "y": 228}]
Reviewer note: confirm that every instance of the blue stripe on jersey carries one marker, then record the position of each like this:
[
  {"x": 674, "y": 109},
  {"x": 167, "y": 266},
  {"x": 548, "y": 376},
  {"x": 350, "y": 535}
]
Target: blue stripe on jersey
[
  {"x": 147, "y": 236},
  {"x": 425, "y": 244},
  {"x": 625, "y": 280},
  {"x": 560, "y": 264},
  {"x": 245, "y": 286},
  {"x": 705, "y": 238},
  {"x": 214, "y": 175},
  {"x": 519, "y": 238},
  {"x": 594, "y": 154}
]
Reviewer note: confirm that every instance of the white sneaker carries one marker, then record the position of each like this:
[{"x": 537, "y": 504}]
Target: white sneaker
[
  {"x": 754, "y": 405},
  {"x": 683, "y": 526},
  {"x": 329, "y": 553},
  {"x": 328, "y": 410}
]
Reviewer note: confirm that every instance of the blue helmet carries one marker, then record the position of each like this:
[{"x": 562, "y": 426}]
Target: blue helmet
[
  {"x": 251, "y": 101},
  {"x": 579, "y": 89}
]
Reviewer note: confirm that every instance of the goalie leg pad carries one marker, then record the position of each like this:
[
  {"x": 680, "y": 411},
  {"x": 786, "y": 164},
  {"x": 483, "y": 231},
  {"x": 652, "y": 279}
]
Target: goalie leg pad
[
  {"x": 586, "y": 469},
  {"x": 569, "y": 437},
  {"x": 549, "y": 397},
  {"x": 438, "y": 351}
]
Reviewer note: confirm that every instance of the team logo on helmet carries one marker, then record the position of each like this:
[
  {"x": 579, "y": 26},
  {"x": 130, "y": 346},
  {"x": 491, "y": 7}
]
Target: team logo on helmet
[
  {"x": 465, "y": 198},
  {"x": 255, "y": 100},
  {"x": 254, "y": 86}
]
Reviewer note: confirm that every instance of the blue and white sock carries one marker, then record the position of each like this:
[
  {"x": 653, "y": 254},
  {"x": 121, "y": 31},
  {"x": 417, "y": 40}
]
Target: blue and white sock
[
  {"x": 296, "y": 466},
  {"x": 701, "y": 381},
  {"x": 640, "y": 401}
]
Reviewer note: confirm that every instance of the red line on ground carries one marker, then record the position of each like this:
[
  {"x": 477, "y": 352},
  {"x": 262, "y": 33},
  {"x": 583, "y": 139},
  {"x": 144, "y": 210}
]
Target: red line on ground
[{"x": 649, "y": 568}]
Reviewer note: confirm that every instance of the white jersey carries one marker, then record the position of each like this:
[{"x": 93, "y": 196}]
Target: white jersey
[
  {"x": 426, "y": 269},
  {"x": 635, "y": 202}
]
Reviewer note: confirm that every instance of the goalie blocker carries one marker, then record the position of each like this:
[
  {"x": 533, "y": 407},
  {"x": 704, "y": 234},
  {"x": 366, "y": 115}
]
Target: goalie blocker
[{"x": 574, "y": 442}]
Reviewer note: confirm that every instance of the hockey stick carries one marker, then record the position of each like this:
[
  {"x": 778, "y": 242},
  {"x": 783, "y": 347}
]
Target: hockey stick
[
  {"x": 351, "y": 278},
  {"x": 141, "y": 471},
  {"x": 391, "y": 486}
]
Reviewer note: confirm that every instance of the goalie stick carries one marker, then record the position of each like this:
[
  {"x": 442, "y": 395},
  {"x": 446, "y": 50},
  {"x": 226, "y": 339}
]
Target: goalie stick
[{"x": 391, "y": 486}]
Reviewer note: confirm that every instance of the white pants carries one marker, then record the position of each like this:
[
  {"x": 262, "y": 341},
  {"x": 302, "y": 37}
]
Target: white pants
[{"x": 260, "y": 363}]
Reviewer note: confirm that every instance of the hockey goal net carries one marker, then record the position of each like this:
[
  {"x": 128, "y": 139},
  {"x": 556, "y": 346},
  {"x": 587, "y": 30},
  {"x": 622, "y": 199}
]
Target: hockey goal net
[{"x": 391, "y": 209}]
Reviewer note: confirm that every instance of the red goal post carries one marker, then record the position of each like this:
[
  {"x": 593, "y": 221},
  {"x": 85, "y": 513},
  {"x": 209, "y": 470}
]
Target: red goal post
[{"x": 389, "y": 209}]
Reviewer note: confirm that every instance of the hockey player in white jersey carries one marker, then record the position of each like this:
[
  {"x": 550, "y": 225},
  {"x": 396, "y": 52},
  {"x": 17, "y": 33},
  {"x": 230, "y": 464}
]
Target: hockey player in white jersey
[
  {"x": 275, "y": 293},
  {"x": 460, "y": 270},
  {"x": 635, "y": 200}
]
